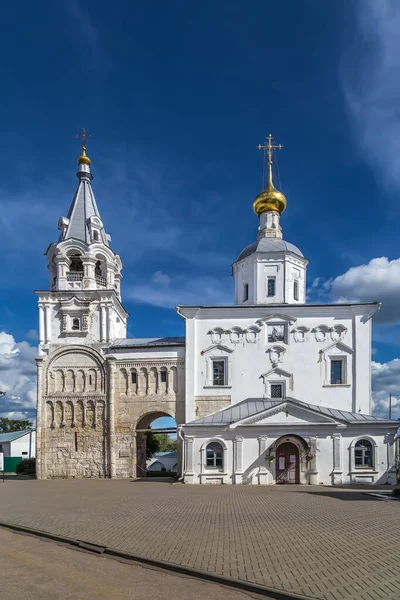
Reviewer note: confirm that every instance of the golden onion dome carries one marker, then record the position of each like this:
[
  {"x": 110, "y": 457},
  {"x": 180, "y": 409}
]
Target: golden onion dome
[
  {"x": 270, "y": 198},
  {"x": 83, "y": 159}
]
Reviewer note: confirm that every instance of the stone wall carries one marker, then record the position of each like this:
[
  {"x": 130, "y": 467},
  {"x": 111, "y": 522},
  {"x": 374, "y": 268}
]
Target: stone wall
[{"x": 206, "y": 405}]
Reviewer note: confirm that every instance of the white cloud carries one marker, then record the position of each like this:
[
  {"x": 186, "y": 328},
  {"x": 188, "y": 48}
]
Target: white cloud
[
  {"x": 167, "y": 292},
  {"x": 371, "y": 84},
  {"x": 17, "y": 378},
  {"x": 386, "y": 380},
  {"x": 379, "y": 280}
]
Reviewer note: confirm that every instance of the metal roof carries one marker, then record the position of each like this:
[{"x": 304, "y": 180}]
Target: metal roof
[
  {"x": 269, "y": 245},
  {"x": 253, "y": 406},
  {"x": 14, "y": 435},
  {"x": 148, "y": 342},
  {"x": 82, "y": 208}
]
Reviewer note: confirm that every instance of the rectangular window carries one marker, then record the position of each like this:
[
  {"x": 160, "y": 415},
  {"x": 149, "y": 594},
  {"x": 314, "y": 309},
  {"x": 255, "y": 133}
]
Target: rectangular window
[
  {"x": 296, "y": 290},
  {"x": 336, "y": 372},
  {"x": 245, "y": 292},
  {"x": 134, "y": 377},
  {"x": 24, "y": 453},
  {"x": 271, "y": 286},
  {"x": 163, "y": 376},
  {"x": 218, "y": 372},
  {"x": 276, "y": 390}
]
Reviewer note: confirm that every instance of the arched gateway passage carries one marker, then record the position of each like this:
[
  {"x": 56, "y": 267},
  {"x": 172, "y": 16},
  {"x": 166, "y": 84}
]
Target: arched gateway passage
[{"x": 145, "y": 426}]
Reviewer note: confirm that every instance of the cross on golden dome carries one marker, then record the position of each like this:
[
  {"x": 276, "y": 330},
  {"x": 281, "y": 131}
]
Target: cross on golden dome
[
  {"x": 270, "y": 146},
  {"x": 83, "y": 159}
]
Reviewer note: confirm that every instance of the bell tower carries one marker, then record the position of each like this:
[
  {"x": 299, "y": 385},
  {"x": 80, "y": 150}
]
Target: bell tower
[{"x": 83, "y": 303}]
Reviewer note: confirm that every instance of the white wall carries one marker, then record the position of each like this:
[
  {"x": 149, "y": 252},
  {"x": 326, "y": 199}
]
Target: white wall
[
  {"x": 248, "y": 465},
  {"x": 17, "y": 447},
  {"x": 306, "y": 365}
]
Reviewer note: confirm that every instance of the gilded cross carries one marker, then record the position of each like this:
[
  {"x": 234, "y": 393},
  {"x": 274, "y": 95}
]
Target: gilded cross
[
  {"x": 270, "y": 147},
  {"x": 83, "y": 135}
]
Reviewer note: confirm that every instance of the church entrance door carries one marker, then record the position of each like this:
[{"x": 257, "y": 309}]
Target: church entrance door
[{"x": 287, "y": 463}]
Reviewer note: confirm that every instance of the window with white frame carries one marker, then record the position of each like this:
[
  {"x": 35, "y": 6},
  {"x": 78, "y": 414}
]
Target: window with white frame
[
  {"x": 218, "y": 372},
  {"x": 337, "y": 371},
  {"x": 245, "y": 292},
  {"x": 271, "y": 286},
  {"x": 363, "y": 454},
  {"x": 214, "y": 455}
]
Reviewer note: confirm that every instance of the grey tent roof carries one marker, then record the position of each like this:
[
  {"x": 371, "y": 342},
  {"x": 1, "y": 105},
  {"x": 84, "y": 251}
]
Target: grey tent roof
[
  {"x": 14, "y": 435},
  {"x": 269, "y": 245},
  {"x": 253, "y": 406},
  {"x": 148, "y": 342},
  {"x": 82, "y": 208}
]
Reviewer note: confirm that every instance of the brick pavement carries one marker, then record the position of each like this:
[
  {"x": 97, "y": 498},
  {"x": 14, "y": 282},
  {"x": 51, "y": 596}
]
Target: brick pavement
[{"x": 321, "y": 542}]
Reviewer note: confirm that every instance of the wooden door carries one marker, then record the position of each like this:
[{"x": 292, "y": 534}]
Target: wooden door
[{"x": 287, "y": 463}]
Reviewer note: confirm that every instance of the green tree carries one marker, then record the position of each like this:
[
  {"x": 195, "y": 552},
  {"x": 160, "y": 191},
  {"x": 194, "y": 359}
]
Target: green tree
[
  {"x": 152, "y": 444},
  {"x": 9, "y": 425}
]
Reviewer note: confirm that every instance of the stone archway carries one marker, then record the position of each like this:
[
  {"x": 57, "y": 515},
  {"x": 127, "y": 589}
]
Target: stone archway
[{"x": 142, "y": 425}]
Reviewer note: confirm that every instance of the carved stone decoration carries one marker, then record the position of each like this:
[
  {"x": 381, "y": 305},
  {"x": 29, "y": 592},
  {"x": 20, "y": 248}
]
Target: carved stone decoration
[
  {"x": 84, "y": 322},
  {"x": 321, "y": 333},
  {"x": 252, "y": 334},
  {"x": 337, "y": 332},
  {"x": 300, "y": 334},
  {"x": 216, "y": 335},
  {"x": 276, "y": 354},
  {"x": 235, "y": 335},
  {"x": 64, "y": 323}
]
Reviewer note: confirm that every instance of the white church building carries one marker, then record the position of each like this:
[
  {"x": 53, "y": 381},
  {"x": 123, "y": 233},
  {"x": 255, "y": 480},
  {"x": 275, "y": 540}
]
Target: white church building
[{"x": 267, "y": 390}]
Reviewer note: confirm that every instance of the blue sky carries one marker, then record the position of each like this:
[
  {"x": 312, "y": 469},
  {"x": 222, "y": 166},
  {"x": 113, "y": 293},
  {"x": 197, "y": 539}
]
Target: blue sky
[{"x": 177, "y": 96}]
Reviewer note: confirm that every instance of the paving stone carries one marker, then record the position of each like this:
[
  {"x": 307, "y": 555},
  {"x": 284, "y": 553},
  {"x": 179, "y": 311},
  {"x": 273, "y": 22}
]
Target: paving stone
[{"x": 326, "y": 543}]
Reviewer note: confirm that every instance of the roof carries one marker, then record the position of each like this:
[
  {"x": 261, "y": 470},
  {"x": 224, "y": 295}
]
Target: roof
[
  {"x": 13, "y": 435},
  {"x": 82, "y": 208},
  {"x": 148, "y": 342},
  {"x": 165, "y": 454},
  {"x": 253, "y": 406},
  {"x": 269, "y": 245}
]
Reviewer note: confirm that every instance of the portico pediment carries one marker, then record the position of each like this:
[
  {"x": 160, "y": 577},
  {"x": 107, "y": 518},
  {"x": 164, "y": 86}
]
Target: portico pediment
[
  {"x": 214, "y": 347},
  {"x": 277, "y": 318},
  {"x": 339, "y": 347},
  {"x": 277, "y": 371}
]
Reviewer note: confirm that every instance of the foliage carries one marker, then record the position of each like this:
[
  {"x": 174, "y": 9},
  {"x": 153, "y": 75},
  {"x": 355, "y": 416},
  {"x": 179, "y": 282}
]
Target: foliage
[
  {"x": 152, "y": 444},
  {"x": 10, "y": 425},
  {"x": 166, "y": 444},
  {"x": 27, "y": 466}
]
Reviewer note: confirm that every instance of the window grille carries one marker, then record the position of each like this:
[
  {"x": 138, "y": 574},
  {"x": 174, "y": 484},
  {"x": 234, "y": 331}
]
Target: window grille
[{"x": 276, "y": 390}]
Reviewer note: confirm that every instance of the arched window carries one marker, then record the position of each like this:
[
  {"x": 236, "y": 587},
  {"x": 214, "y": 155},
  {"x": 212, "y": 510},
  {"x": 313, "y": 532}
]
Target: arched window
[
  {"x": 75, "y": 324},
  {"x": 214, "y": 455},
  {"x": 76, "y": 265},
  {"x": 363, "y": 456}
]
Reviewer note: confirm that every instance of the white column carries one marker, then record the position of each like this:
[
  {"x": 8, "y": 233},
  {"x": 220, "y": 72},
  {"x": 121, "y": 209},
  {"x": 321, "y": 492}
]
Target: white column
[
  {"x": 263, "y": 471},
  {"x": 238, "y": 458},
  {"x": 108, "y": 328},
  {"x": 189, "y": 459},
  {"x": 337, "y": 459},
  {"x": 391, "y": 458},
  {"x": 313, "y": 463},
  {"x": 41, "y": 324},
  {"x": 102, "y": 324},
  {"x": 40, "y": 424},
  {"x": 47, "y": 337}
]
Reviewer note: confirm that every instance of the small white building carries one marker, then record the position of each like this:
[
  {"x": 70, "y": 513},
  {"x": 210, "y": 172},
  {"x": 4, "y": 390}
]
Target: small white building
[
  {"x": 162, "y": 461},
  {"x": 18, "y": 444}
]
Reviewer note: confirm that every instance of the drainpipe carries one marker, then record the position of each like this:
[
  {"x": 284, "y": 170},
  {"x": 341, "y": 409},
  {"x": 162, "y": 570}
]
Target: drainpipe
[{"x": 182, "y": 437}]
